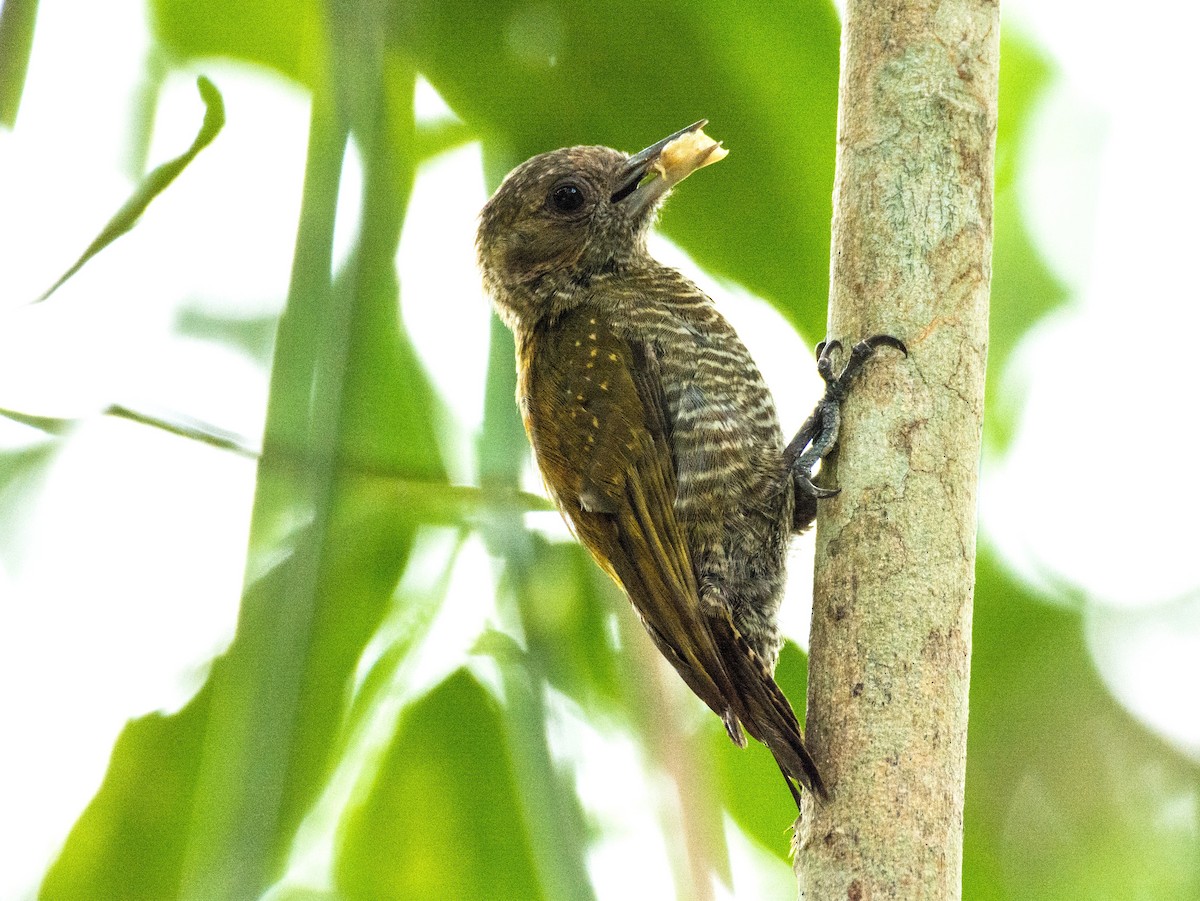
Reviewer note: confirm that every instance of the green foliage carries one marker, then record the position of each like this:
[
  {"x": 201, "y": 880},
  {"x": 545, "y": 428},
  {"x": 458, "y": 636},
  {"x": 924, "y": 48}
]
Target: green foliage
[
  {"x": 1023, "y": 288},
  {"x": 17, "y": 18},
  {"x": 286, "y": 35},
  {"x": 566, "y": 607},
  {"x": 461, "y": 796},
  {"x": 449, "y": 770},
  {"x": 531, "y": 78},
  {"x": 1067, "y": 797},
  {"x": 128, "y": 843},
  {"x": 155, "y": 182}
]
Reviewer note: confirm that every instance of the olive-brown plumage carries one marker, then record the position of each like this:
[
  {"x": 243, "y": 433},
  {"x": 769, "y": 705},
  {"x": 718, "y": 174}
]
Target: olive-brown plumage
[{"x": 653, "y": 428}]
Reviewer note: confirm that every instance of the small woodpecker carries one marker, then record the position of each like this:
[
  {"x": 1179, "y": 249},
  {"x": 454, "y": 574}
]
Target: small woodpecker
[{"x": 652, "y": 427}]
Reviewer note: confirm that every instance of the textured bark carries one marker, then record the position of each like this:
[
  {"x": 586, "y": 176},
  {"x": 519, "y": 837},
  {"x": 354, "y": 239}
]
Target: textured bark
[{"x": 891, "y": 629}]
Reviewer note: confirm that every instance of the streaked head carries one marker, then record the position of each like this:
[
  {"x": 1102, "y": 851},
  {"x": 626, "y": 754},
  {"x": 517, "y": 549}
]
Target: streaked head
[{"x": 563, "y": 217}]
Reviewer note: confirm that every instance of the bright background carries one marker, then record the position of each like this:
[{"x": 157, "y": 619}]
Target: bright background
[{"x": 123, "y": 548}]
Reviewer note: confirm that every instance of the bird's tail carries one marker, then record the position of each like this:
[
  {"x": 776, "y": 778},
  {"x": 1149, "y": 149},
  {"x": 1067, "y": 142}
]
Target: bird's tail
[{"x": 765, "y": 712}]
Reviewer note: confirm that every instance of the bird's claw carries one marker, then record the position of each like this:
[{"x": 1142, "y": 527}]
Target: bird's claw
[
  {"x": 877, "y": 341},
  {"x": 819, "y": 433},
  {"x": 805, "y": 485},
  {"x": 839, "y": 385}
]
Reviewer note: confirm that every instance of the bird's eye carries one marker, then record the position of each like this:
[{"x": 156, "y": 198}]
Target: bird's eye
[{"x": 567, "y": 198}]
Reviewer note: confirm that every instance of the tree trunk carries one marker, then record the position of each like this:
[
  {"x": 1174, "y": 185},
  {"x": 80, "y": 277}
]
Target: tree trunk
[{"x": 891, "y": 627}]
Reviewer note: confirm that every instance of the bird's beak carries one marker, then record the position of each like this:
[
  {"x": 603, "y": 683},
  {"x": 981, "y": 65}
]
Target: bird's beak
[{"x": 672, "y": 159}]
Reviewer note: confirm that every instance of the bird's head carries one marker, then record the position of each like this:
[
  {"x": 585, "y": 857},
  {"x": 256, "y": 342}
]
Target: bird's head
[{"x": 564, "y": 217}]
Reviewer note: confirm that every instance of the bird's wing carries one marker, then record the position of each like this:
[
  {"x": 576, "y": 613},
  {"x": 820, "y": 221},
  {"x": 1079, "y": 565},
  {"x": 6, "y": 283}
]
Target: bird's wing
[
  {"x": 603, "y": 450},
  {"x": 597, "y": 417}
]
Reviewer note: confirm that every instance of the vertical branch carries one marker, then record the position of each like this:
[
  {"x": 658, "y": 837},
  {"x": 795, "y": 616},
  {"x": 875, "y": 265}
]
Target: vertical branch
[{"x": 891, "y": 631}]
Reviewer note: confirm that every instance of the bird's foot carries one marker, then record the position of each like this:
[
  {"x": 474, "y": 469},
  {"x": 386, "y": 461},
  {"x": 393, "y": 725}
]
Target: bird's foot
[{"x": 819, "y": 433}]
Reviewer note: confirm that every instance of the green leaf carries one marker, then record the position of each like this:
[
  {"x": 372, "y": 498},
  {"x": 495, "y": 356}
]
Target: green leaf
[
  {"x": 1024, "y": 290},
  {"x": 347, "y": 402},
  {"x": 51, "y": 425},
  {"x": 258, "y": 758},
  {"x": 532, "y": 77},
  {"x": 567, "y": 605},
  {"x": 443, "y": 819},
  {"x": 1067, "y": 796},
  {"x": 286, "y": 35},
  {"x": 345, "y": 388},
  {"x": 252, "y": 335},
  {"x": 23, "y": 472},
  {"x": 17, "y": 19},
  {"x": 131, "y": 840},
  {"x": 186, "y": 427},
  {"x": 503, "y": 447},
  {"x": 154, "y": 183}
]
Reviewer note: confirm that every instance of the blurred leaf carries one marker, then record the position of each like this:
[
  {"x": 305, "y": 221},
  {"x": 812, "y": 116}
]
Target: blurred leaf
[
  {"x": 51, "y": 425},
  {"x": 260, "y": 682},
  {"x": 286, "y": 35},
  {"x": 567, "y": 606},
  {"x": 347, "y": 394},
  {"x": 550, "y": 806},
  {"x": 187, "y": 427},
  {"x": 500, "y": 646},
  {"x": 443, "y": 818},
  {"x": 436, "y": 138},
  {"x": 1025, "y": 74},
  {"x": 130, "y": 841},
  {"x": 22, "y": 473},
  {"x": 532, "y": 77},
  {"x": 155, "y": 183},
  {"x": 413, "y": 613},
  {"x": 1067, "y": 795},
  {"x": 17, "y": 19},
  {"x": 675, "y": 730},
  {"x": 1024, "y": 290},
  {"x": 751, "y": 786},
  {"x": 155, "y": 69},
  {"x": 253, "y": 335},
  {"x": 503, "y": 447},
  {"x": 344, "y": 386}
]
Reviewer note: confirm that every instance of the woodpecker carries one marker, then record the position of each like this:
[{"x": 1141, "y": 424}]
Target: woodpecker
[{"x": 653, "y": 429}]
